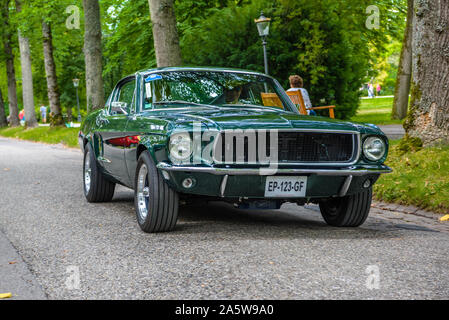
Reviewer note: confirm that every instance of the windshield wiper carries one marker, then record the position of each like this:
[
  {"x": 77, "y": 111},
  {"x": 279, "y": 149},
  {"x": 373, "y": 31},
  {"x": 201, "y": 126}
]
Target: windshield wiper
[{"x": 186, "y": 102}]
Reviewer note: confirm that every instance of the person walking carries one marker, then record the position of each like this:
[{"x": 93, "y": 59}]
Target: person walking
[
  {"x": 22, "y": 117},
  {"x": 378, "y": 89},
  {"x": 370, "y": 91},
  {"x": 43, "y": 111}
]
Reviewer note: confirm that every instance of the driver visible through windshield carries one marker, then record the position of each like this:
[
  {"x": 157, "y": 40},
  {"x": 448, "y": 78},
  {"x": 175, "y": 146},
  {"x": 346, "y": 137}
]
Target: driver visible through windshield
[{"x": 212, "y": 89}]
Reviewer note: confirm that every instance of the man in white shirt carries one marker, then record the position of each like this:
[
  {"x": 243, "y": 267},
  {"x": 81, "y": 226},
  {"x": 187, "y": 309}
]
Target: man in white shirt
[{"x": 296, "y": 84}]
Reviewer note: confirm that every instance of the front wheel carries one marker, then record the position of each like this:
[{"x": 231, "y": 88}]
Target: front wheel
[
  {"x": 155, "y": 202},
  {"x": 349, "y": 211}
]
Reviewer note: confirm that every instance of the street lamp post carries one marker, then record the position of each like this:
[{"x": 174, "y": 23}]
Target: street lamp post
[
  {"x": 76, "y": 83},
  {"x": 263, "y": 27}
]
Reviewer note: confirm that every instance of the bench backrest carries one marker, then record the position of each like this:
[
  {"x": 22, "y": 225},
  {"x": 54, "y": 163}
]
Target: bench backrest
[
  {"x": 271, "y": 100},
  {"x": 298, "y": 100}
]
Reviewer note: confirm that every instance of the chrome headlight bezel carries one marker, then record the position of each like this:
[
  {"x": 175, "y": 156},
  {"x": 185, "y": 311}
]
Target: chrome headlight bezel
[
  {"x": 374, "y": 148},
  {"x": 180, "y": 147}
]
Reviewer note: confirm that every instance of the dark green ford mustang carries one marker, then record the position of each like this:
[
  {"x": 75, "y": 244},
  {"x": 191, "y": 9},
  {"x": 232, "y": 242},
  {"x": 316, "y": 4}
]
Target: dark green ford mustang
[{"x": 185, "y": 134}]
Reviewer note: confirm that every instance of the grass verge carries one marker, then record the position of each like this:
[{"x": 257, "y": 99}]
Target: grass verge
[
  {"x": 66, "y": 136},
  {"x": 420, "y": 178},
  {"x": 377, "y": 111}
]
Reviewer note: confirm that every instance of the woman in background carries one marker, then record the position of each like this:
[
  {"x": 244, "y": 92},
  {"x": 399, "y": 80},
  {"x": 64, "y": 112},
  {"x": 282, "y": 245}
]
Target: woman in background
[
  {"x": 296, "y": 84},
  {"x": 22, "y": 117}
]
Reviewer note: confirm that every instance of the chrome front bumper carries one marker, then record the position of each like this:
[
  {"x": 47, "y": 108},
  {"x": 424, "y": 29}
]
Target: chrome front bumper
[{"x": 346, "y": 171}]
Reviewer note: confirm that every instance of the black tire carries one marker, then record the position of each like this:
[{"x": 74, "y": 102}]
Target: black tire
[
  {"x": 99, "y": 189},
  {"x": 349, "y": 211},
  {"x": 153, "y": 196}
]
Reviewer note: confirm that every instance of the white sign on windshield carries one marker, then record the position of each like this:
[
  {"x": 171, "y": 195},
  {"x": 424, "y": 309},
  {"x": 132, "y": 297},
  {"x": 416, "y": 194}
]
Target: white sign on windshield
[{"x": 148, "y": 90}]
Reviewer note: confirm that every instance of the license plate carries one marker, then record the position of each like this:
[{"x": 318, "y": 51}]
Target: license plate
[{"x": 285, "y": 187}]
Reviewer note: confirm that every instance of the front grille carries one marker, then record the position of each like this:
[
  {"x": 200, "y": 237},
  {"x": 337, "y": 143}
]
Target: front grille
[{"x": 292, "y": 147}]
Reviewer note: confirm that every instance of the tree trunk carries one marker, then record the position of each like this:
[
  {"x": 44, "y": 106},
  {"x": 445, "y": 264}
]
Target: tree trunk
[
  {"x": 10, "y": 70},
  {"x": 12, "y": 87},
  {"x": 3, "y": 122},
  {"x": 165, "y": 33},
  {"x": 27, "y": 77},
  {"x": 403, "y": 79},
  {"x": 428, "y": 118},
  {"x": 93, "y": 55},
  {"x": 27, "y": 81},
  {"x": 50, "y": 71}
]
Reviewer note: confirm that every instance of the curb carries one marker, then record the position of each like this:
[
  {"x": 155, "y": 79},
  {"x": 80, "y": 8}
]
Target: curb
[{"x": 406, "y": 209}]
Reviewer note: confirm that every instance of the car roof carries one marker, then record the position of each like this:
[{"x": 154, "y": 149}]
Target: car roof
[{"x": 218, "y": 69}]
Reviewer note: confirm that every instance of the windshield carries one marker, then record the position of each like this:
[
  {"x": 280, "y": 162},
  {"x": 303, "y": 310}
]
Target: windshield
[{"x": 210, "y": 89}]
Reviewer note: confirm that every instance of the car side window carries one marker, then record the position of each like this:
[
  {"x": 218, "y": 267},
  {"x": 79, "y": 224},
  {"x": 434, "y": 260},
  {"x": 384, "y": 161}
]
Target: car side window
[{"x": 124, "y": 95}]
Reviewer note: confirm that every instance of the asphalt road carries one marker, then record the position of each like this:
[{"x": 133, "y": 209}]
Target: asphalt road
[
  {"x": 75, "y": 250},
  {"x": 393, "y": 131}
]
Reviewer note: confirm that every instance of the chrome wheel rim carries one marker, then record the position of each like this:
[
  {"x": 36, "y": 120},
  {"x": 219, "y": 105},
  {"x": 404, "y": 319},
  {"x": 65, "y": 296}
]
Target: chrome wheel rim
[
  {"x": 143, "y": 192},
  {"x": 87, "y": 173}
]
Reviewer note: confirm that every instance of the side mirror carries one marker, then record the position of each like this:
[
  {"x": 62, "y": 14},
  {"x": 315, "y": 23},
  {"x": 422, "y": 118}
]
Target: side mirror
[{"x": 118, "y": 107}]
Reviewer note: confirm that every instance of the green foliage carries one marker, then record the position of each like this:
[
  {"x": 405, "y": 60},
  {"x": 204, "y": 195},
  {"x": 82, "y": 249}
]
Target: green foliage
[
  {"x": 226, "y": 37},
  {"x": 190, "y": 13},
  {"x": 325, "y": 41},
  {"x": 127, "y": 39},
  {"x": 389, "y": 82},
  {"x": 67, "y": 44},
  {"x": 420, "y": 177},
  {"x": 65, "y": 136},
  {"x": 409, "y": 144}
]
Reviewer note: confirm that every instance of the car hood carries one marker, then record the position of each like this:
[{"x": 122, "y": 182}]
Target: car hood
[{"x": 255, "y": 118}]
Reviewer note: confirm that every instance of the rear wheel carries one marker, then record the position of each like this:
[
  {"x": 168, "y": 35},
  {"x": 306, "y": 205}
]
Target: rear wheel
[
  {"x": 155, "y": 202},
  {"x": 96, "y": 187},
  {"x": 349, "y": 211}
]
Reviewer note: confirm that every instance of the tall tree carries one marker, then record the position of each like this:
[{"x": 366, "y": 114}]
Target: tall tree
[
  {"x": 50, "y": 71},
  {"x": 403, "y": 78},
  {"x": 93, "y": 55},
  {"x": 3, "y": 122},
  {"x": 428, "y": 118},
  {"x": 27, "y": 76},
  {"x": 10, "y": 69},
  {"x": 165, "y": 33}
]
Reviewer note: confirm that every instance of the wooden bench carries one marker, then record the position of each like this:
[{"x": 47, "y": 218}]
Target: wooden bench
[
  {"x": 271, "y": 100},
  {"x": 298, "y": 100}
]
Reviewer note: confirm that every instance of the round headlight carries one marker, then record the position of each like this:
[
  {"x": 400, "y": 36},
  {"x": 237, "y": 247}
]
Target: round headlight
[
  {"x": 374, "y": 148},
  {"x": 180, "y": 147}
]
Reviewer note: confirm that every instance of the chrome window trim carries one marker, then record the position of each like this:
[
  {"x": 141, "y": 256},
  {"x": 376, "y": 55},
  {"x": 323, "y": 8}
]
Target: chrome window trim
[
  {"x": 187, "y": 69},
  {"x": 116, "y": 91},
  {"x": 356, "y": 150},
  {"x": 287, "y": 100}
]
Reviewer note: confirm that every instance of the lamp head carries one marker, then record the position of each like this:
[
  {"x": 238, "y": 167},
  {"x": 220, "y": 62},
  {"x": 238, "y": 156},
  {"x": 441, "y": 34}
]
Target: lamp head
[{"x": 263, "y": 25}]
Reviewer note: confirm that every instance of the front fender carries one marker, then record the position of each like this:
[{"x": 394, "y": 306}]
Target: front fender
[{"x": 155, "y": 144}]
